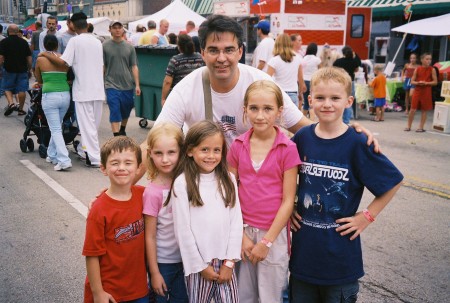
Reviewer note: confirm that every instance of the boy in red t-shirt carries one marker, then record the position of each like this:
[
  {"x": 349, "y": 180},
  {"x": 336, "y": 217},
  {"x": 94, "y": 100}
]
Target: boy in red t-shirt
[
  {"x": 114, "y": 245},
  {"x": 379, "y": 92}
]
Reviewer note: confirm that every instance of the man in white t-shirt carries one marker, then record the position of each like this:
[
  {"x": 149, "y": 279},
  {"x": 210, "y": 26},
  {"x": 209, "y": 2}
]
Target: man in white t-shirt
[
  {"x": 84, "y": 54},
  {"x": 221, "y": 44},
  {"x": 51, "y": 29},
  {"x": 264, "y": 51}
]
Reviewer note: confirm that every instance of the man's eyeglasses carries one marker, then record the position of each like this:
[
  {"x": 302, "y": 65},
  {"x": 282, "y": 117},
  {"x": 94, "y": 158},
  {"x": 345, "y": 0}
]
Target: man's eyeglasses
[{"x": 214, "y": 52}]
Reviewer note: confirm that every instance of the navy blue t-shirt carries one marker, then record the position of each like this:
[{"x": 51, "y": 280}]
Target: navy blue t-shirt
[{"x": 333, "y": 175}]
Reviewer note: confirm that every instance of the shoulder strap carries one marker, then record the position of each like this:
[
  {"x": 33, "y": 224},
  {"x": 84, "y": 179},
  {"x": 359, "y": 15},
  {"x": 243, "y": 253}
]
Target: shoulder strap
[{"x": 207, "y": 95}]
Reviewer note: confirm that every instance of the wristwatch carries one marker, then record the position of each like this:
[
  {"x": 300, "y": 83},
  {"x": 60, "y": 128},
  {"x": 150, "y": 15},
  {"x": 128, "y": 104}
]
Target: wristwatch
[
  {"x": 229, "y": 264},
  {"x": 266, "y": 242}
]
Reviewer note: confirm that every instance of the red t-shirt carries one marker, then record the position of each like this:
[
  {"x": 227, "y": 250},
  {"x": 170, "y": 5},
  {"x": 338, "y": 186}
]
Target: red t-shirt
[
  {"x": 115, "y": 233},
  {"x": 379, "y": 86}
]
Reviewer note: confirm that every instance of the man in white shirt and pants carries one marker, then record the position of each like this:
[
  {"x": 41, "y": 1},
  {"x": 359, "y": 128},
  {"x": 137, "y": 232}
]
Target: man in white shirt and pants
[{"x": 264, "y": 51}]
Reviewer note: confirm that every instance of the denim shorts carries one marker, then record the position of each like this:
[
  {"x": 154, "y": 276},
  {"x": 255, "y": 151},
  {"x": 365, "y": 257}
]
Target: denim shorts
[
  {"x": 300, "y": 292},
  {"x": 379, "y": 102},
  {"x": 407, "y": 84},
  {"x": 120, "y": 103},
  {"x": 15, "y": 82}
]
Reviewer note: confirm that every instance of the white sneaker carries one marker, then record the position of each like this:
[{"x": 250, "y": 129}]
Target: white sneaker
[
  {"x": 48, "y": 160},
  {"x": 59, "y": 166}
]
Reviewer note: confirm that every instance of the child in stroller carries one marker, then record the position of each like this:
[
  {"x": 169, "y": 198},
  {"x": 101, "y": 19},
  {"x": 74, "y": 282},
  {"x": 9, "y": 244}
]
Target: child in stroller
[{"x": 36, "y": 123}]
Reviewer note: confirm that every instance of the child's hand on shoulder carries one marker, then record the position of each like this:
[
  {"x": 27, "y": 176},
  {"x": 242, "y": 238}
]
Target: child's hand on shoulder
[
  {"x": 158, "y": 284},
  {"x": 247, "y": 246},
  {"x": 259, "y": 253},
  {"x": 356, "y": 225},
  {"x": 103, "y": 297},
  {"x": 209, "y": 274}
]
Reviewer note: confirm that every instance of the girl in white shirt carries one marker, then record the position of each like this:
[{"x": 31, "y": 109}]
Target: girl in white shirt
[
  {"x": 286, "y": 68},
  {"x": 207, "y": 216},
  {"x": 310, "y": 64},
  {"x": 164, "y": 142}
]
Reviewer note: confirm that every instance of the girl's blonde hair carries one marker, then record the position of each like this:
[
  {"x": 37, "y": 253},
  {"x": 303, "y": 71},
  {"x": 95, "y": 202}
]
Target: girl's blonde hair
[
  {"x": 158, "y": 131},
  {"x": 195, "y": 136},
  {"x": 266, "y": 86},
  {"x": 283, "y": 48},
  {"x": 336, "y": 74}
]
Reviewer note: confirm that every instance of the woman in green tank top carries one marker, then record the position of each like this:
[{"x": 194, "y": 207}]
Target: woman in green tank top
[{"x": 55, "y": 103}]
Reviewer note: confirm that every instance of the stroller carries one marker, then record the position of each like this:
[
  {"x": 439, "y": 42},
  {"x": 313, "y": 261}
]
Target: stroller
[{"x": 36, "y": 122}]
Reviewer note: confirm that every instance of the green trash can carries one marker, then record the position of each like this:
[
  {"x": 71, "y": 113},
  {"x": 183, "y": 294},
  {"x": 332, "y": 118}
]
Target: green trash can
[{"x": 152, "y": 64}]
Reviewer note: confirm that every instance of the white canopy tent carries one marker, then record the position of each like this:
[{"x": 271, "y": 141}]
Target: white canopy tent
[
  {"x": 434, "y": 26},
  {"x": 101, "y": 25},
  {"x": 177, "y": 13}
]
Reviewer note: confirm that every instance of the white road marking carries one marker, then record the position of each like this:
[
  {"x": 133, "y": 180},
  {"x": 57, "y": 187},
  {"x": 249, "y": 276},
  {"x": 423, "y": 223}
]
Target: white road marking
[{"x": 68, "y": 197}]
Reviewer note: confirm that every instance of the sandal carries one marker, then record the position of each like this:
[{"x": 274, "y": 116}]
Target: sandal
[
  {"x": 407, "y": 129},
  {"x": 375, "y": 120},
  {"x": 9, "y": 109},
  {"x": 21, "y": 112},
  {"x": 420, "y": 130}
]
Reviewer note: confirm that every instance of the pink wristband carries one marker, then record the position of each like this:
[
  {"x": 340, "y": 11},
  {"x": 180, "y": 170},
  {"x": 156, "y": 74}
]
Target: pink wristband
[{"x": 368, "y": 216}]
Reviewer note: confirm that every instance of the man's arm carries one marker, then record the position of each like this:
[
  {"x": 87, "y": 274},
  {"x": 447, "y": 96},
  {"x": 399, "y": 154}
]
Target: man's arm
[
  {"x": 261, "y": 64},
  {"x": 167, "y": 84},
  {"x": 304, "y": 121},
  {"x": 2, "y": 59},
  {"x": 154, "y": 40},
  {"x": 135, "y": 71},
  {"x": 53, "y": 59},
  {"x": 29, "y": 61}
]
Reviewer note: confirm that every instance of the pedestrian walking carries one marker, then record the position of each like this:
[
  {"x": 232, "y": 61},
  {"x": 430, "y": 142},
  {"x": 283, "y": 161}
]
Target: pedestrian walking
[{"x": 121, "y": 78}]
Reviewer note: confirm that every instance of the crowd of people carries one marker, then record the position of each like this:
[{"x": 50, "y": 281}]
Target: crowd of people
[{"x": 223, "y": 204}]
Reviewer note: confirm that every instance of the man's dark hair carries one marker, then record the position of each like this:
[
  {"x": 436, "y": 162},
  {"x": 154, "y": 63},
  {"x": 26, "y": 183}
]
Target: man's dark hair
[
  {"x": 38, "y": 24},
  {"x": 50, "y": 42},
  {"x": 216, "y": 24},
  {"x": 140, "y": 28},
  {"x": 185, "y": 44},
  {"x": 311, "y": 49},
  {"x": 151, "y": 24},
  {"x": 90, "y": 28},
  {"x": 1, "y": 29},
  {"x": 172, "y": 38},
  {"x": 52, "y": 18},
  {"x": 347, "y": 51}
]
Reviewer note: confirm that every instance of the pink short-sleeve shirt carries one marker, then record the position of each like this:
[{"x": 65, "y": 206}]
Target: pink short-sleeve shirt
[{"x": 261, "y": 192}]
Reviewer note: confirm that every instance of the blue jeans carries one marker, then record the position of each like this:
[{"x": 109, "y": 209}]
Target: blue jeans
[
  {"x": 173, "y": 275},
  {"x": 55, "y": 106},
  {"x": 312, "y": 293},
  {"x": 306, "y": 94},
  {"x": 294, "y": 97}
]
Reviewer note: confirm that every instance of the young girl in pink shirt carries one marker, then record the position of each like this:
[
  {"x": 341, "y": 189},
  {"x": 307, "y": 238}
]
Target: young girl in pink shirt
[
  {"x": 265, "y": 163},
  {"x": 164, "y": 142}
]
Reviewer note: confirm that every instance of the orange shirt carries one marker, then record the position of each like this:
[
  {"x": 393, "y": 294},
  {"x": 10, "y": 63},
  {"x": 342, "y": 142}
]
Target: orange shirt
[
  {"x": 379, "y": 86},
  {"x": 115, "y": 233}
]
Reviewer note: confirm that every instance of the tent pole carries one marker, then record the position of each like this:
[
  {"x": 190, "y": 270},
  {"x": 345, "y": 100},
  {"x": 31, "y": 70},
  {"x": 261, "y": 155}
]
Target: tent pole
[{"x": 403, "y": 40}]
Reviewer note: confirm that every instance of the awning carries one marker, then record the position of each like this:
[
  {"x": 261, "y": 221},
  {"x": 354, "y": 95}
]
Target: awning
[
  {"x": 202, "y": 7},
  {"x": 435, "y": 26},
  {"x": 29, "y": 22},
  {"x": 389, "y": 8}
]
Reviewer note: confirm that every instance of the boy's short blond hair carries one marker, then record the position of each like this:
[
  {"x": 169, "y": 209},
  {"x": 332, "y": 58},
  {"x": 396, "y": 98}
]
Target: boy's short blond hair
[
  {"x": 119, "y": 144},
  {"x": 336, "y": 74},
  {"x": 378, "y": 67}
]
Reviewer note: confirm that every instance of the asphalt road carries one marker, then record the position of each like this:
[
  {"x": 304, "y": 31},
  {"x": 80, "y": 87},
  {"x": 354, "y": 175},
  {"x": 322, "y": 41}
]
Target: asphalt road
[{"x": 406, "y": 251}]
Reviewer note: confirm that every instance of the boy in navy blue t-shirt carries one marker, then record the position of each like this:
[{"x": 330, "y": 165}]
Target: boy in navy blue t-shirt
[{"x": 326, "y": 260}]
